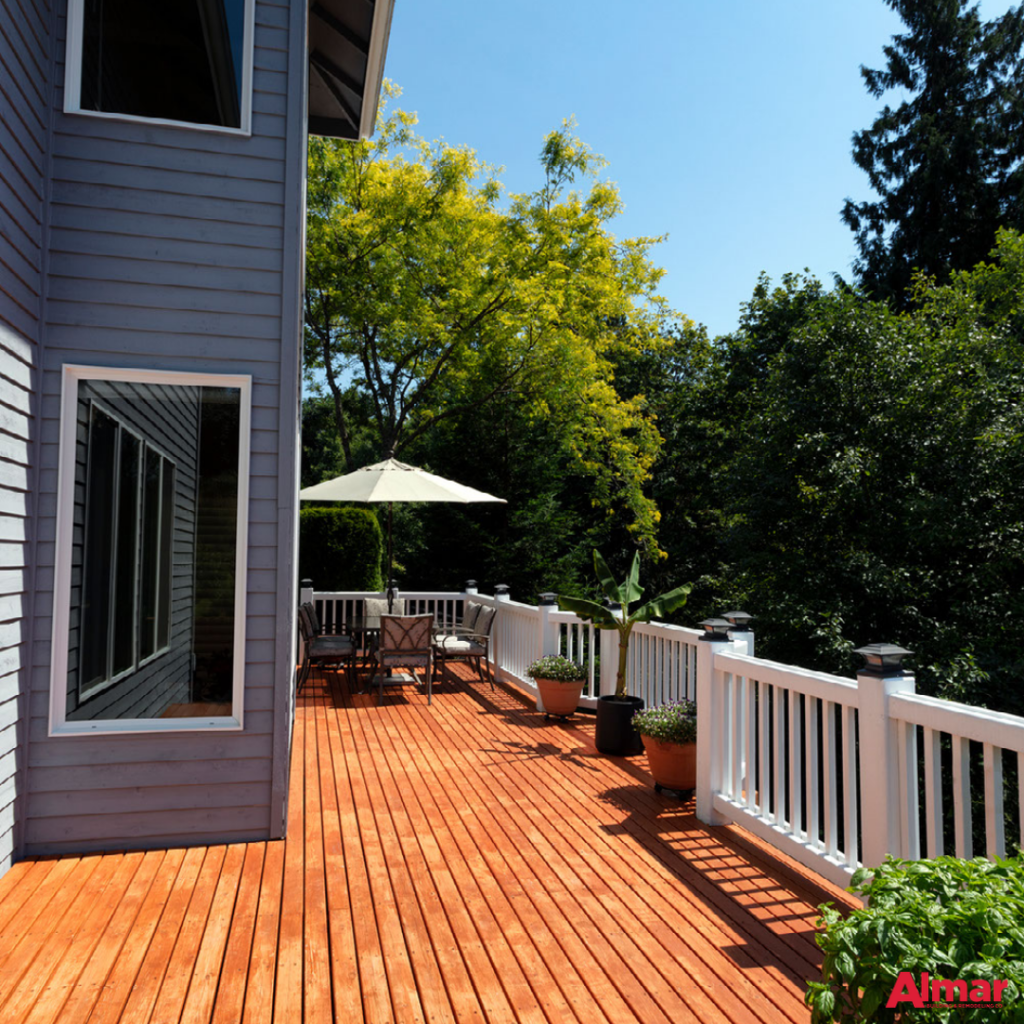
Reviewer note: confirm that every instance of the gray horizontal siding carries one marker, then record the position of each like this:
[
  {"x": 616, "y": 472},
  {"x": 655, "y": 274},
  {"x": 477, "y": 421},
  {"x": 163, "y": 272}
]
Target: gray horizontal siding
[
  {"x": 24, "y": 65},
  {"x": 166, "y": 251}
]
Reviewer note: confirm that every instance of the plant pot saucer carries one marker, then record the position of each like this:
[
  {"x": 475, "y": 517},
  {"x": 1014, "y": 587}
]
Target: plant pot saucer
[{"x": 682, "y": 794}]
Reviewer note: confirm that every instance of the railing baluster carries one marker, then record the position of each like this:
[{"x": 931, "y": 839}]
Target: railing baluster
[
  {"x": 779, "y": 767},
  {"x": 995, "y": 830},
  {"x": 728, "y": 725},
  {"x": 933, "y": 793},
  {"x": 850, "y": 788},
  {"x": 906, "y": 760},
  {"x": 962, "y": 797},
  {"x": 812, "y": 711},
  {"x": 796, "y": 775},
  {"x": 1020, "y": 796},
  {"x": 739, "y": 737},
  {"x": 750, "y": 760},
  {"x": 764, "y": 749},
  {"x": 828, "y": 732}
]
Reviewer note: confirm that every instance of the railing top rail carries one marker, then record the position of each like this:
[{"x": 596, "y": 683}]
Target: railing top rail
[
  {"x": 514, "y": 605},
  {"x": 413, "y": 595},
  {"x": 561, "y": 617},
  {"x": 557, "y": 615},
  {"x": 973, "y": 723},
  {"x": 816, "y": 684},
  {"x": 683, "y": 632}
]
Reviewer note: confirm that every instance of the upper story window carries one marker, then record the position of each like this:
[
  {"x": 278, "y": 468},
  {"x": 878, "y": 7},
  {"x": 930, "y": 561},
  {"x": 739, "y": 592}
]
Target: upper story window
[{"x": 178, "y": 62}]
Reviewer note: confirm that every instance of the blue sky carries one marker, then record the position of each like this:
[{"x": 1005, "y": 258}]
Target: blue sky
[{"x": 726, "y": 123}]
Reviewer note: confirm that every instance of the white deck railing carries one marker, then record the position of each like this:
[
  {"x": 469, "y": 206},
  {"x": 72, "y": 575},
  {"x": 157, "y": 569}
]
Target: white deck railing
[
  {"x": 925, "y": 728},
  {"x": 835, "y": 772}
]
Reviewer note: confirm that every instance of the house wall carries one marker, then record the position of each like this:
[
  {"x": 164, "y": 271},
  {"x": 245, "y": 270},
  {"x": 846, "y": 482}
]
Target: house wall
[
  {"x": 24, "y": 66},
  {"x": 180, "y": 249}
]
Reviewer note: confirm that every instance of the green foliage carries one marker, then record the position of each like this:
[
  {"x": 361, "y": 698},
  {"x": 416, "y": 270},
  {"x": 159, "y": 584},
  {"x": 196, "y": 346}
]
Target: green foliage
[
  {"x": 340, "y": 548},
  {"x": 953, "y": 919},
  {"x": 947, "y": 163},
  {"x": 554, "y": 666},
  {"x": 671, "y": 723},
  {"x": 624, "y": 595},
  {"x": 863, "y": 474}
]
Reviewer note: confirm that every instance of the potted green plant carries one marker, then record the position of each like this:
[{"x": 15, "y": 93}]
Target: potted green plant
[
  {"x": 669, "y": 734},
  {"x": 615, "y": 733},
  {"x": 559, "y": 683}
]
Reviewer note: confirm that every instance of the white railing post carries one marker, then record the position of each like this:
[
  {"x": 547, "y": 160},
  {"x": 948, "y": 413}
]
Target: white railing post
[
  {"x": 470, "y": 588},
  {"x": 497, "y": 640},
  {"x": 547, "y": 632},
  {"x": 306, "y": 592},
  {"x": 883, "y": 824},
  {"x": 740, "y": 631},
  {"x": 710, "y": 712}
]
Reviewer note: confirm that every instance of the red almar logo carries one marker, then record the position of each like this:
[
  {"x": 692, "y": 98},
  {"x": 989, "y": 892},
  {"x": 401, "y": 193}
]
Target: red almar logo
[{"x": 974, "y": 993}]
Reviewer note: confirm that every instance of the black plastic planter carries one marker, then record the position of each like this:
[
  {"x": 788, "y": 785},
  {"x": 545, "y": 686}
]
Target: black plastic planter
[{"x": 615, "y": 733}]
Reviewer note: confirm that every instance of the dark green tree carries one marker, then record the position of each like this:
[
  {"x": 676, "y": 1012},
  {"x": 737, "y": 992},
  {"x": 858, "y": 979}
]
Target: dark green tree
[
  {"x": 871, "y": 479},
  {"x": 947, "y": 162}
]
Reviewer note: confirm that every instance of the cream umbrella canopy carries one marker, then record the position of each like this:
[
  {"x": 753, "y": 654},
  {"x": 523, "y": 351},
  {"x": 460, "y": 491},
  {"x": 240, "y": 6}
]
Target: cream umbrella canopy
[{"x": 390, "y": 481}]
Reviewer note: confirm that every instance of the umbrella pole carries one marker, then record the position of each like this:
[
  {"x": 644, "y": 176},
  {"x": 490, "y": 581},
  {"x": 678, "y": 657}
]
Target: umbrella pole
[{"x": 390, "y": 586}]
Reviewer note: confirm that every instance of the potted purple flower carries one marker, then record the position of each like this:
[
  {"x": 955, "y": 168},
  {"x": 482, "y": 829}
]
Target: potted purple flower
[
  {"x": 669, "y": 734},
  {"x": 559, "y": 683}
]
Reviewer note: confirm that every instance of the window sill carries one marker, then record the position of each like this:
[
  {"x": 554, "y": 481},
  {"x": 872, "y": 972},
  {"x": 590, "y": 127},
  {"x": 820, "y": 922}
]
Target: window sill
[{"x": 244, "y": 132}]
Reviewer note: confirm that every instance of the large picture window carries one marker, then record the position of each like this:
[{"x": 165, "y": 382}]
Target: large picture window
[
  {"x": 150, "y": 616},
  {"x": 179, "y": 61}
]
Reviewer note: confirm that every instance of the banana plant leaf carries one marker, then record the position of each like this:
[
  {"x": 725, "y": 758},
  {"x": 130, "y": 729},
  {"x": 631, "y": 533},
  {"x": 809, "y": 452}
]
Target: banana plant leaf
[
  {"x": 629, "y": 591},
  {"x": 663, "y": 605},
  {"x": 589, "y": 611}
]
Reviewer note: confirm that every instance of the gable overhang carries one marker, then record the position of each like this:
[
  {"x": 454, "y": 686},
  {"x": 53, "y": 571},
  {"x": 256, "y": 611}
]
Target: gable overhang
[{"x": 348, "y": 40}]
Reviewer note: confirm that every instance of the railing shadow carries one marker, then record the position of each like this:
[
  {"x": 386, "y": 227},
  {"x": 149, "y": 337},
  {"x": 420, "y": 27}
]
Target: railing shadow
[{"x": 766, "y": 900}]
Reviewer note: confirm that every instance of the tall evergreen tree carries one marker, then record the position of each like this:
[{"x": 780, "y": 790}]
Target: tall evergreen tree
[{"x": 947, "y": 163}]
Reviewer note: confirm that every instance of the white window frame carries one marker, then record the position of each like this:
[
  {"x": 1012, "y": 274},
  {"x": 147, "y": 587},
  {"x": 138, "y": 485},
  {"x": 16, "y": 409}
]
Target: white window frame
[
  {"x": 59, "y": 725},
  {"x": 73, "y": 76}
]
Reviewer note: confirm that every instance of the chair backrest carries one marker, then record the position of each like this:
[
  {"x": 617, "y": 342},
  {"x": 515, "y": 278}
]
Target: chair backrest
[
  {"x": 306, "y": 624},
  {"x": 406, "y": 633},
  {"x": 470, "y": 613},
  {"x": 485, "y": 620},
  {"x": 314, "y": 622},
  {"x": 375, "y": 607}
]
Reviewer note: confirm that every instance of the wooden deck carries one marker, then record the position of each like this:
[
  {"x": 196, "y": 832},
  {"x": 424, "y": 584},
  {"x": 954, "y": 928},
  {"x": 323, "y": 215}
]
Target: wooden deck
[{"x": 466, "y": 861}]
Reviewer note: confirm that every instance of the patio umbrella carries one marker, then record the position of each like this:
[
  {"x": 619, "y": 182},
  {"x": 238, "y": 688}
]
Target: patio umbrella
[{"x": 390, "y": 481}]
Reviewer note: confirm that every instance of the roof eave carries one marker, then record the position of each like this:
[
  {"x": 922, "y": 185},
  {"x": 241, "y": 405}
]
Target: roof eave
[{"x": 380, "y": 33}]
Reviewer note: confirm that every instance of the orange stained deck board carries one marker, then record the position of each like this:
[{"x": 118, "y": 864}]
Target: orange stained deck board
[{"x": 465, "y": 862}]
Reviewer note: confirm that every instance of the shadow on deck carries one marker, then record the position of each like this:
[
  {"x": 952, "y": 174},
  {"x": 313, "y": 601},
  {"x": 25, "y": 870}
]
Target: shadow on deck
[{"x": 465, "y": 861}]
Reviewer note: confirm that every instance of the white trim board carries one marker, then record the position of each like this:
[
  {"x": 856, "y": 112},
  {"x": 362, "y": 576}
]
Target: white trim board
[
  {"x": 73, "y": 77},
  {"x": 58, "y": 724}
]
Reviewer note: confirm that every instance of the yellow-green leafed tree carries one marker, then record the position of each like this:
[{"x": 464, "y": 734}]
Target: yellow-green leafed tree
[{"x": 433, "y": 293}]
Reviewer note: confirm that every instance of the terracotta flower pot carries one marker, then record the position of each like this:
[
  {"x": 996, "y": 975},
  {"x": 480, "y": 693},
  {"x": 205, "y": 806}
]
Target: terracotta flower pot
[
  {"x": 559, "y": 698},
  {"x": 673, "y": 765}
]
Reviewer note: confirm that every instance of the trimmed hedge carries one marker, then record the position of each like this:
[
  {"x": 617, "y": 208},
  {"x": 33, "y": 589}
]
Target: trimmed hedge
[{"x": 340, "y": 548}]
